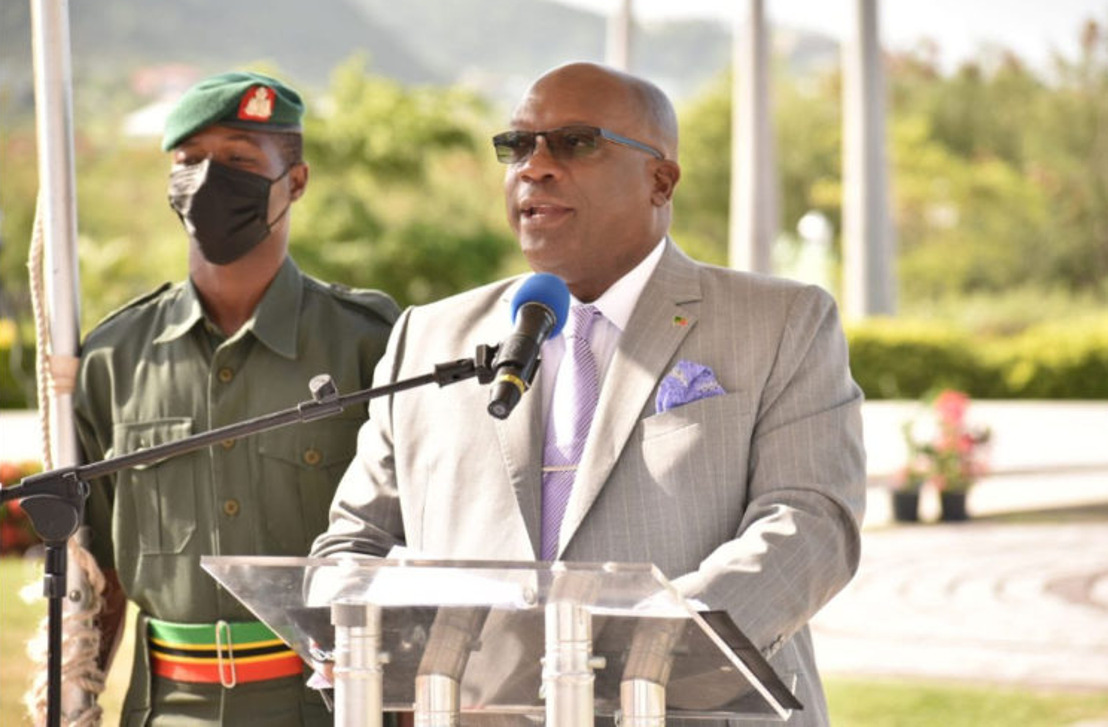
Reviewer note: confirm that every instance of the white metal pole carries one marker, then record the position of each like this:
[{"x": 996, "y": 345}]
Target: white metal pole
[
  {"x": 753, "y": 223},
  {"x": 617, "y": 49},
  {"x": 869, "y": 243},
  {"x": 359, "y": 664},
  {"x": 58, "y": 212},
  {"x": 567, "y": 668}
]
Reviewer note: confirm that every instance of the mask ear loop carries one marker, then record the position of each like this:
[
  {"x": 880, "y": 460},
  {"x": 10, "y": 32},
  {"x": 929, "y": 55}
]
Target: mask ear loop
[{"x": 269, "y": 225}]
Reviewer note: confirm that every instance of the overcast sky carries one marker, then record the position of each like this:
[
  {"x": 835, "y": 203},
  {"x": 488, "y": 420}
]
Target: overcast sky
[{"x": 1032, "y": 28}]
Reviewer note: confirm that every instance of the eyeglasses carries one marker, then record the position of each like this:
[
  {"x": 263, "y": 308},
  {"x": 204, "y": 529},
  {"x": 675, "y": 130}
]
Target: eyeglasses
[{"x": 567, "y": 142}]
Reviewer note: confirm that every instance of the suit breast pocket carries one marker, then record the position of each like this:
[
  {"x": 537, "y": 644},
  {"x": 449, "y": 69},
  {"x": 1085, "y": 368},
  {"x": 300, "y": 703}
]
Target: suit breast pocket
[
  {"x": 698, "y": 445},
  {"x": 300, "y": 468},
  {"x": 155, "y": 501}
]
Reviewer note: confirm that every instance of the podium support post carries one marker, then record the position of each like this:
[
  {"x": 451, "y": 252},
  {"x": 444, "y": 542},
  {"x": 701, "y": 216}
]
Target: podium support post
[
  {"x": 359, "y": 664},
  {"x": 642, "y": 703},
  {"x": 642, "y": 688},
  {"x": 438, "y": 682},
  {"x": 567, "y": 673},
  {"x": 437, "y": 701}
]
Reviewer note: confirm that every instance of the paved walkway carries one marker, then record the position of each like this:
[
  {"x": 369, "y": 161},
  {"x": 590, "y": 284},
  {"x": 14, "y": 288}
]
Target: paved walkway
[
  {"x": 1017, "y": 595},
  {"x": 1023, "y": 604}
]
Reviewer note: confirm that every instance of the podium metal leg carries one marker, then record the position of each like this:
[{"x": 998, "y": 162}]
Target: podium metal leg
[
  {"x": 437, "y": 701},
  {"x": 454, "y": 635},
  {"x": 642, "y": 703},
  {"x": 359, "y": 664},
  {"x": 567, "y": 673},
  {"x": 642, "y": 688}
]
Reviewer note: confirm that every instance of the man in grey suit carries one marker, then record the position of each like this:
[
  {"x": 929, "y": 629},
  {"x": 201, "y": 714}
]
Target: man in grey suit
[{"x": 726, "y": 445}]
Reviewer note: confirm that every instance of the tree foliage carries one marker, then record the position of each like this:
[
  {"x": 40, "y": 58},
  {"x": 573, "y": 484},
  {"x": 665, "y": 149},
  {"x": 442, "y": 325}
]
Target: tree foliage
[
  {"x": 404, "y": 193},
  {"x": 999, "y": 174},
  {"x": 999, "y": 184}
]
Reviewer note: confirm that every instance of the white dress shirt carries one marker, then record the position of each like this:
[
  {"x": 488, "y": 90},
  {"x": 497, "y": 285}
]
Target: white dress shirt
[{"x": 616, "y": 304}]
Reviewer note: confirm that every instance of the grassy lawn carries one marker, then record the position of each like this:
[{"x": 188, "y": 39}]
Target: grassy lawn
[
  {"x": 854, "y": 702},
  {"x": 19, "y": 622},
  {"x": 870, "y": 703}
]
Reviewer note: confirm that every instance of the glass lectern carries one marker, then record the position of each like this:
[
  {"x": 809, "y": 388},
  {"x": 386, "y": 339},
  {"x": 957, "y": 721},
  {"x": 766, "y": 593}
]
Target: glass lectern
[{"x": 449, "y": 639}]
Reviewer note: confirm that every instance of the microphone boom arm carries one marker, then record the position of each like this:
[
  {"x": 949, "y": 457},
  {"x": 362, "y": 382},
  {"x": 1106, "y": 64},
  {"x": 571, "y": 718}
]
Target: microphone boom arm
[
  {"x": 325, "y": 402},
  {"x": 55, "y": 500}
]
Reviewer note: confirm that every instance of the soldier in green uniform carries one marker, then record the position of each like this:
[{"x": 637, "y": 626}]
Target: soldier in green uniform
[{"x": 241, "y": 337}]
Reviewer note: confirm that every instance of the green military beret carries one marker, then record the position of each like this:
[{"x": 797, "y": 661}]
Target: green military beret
[{"x": 244, "y": 100}]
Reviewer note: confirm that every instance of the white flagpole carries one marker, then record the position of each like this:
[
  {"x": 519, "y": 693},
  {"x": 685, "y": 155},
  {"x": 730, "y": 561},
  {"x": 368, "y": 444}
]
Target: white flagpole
[
  {"x": 869, "y": 240},
  {"x": 617, "y": 44},
  {"x": 753, "y": 224},
  {"x": 58, "y": 216}
]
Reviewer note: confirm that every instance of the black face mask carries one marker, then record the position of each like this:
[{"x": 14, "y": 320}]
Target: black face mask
[{"x": 225, "y": 210}]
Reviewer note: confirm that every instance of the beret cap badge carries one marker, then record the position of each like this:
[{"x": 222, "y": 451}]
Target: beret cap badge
[{"x": 257, "y": 104}]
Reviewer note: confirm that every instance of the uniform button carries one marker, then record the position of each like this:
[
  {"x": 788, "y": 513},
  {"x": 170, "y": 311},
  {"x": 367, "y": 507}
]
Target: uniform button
[
  {"x": 312, "y": 457},
  {"x": 228, "y": 443},
  {"x": 231, "y": 507},
  {"x": 226, "y": 374}
]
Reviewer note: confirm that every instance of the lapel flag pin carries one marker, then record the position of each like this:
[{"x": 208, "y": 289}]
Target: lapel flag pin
[{"x": 680, "y": 321}]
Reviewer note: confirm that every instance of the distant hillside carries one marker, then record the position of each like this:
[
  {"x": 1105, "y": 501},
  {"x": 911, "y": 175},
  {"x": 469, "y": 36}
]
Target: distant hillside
[
  {"x": 113, "y": 38},
  {"x": 495, "y": 46}
]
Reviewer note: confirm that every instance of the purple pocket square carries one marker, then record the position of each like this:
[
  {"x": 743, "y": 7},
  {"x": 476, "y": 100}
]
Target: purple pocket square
[{"x": 686, "y": 383}]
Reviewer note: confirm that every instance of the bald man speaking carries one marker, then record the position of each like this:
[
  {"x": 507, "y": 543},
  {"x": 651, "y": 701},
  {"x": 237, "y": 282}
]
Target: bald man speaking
[{"x": 698, "y": 418}]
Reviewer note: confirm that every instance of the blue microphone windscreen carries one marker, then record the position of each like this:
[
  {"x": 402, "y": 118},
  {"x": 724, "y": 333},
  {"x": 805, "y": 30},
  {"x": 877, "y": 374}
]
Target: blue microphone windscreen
[{"x": 546, "y": 289}]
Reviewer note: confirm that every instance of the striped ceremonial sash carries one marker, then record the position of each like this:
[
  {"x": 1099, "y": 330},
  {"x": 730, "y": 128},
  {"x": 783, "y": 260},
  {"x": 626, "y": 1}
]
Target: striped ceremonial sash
[{"x": 220, "y": 653}]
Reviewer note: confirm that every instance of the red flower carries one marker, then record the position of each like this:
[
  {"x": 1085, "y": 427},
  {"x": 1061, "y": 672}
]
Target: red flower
[
  {"x": 951, "y": 407},
  {"x": 952, "y": 458},
  {"x": 16, "y": 532},
  {"x": 10, "y": 473}
]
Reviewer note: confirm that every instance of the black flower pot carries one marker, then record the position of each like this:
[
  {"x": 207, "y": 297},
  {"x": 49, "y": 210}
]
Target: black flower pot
[
  {"x": 906, "y": 506},
  {"x": 953, "y": 507}
]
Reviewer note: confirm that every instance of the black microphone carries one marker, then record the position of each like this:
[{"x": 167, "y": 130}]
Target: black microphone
[{"x": 539, "y": 311}]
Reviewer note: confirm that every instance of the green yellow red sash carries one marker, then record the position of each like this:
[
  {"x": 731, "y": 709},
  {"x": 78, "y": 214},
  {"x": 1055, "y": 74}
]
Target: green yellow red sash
[{"x": 220, "y": 653}]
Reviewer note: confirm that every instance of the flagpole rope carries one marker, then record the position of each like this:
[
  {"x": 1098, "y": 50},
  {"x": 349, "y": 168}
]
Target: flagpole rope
[{"x": 80, "y": 636}]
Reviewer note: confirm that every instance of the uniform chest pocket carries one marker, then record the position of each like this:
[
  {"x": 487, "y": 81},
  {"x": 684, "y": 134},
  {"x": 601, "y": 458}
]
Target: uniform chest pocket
[
  {"x": 155, "y": 501},
  {"x": 300, "y": 467}
]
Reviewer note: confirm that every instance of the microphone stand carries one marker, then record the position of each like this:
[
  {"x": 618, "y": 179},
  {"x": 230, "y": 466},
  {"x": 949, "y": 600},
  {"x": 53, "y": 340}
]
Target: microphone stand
[{"x": 55, "y": 500}]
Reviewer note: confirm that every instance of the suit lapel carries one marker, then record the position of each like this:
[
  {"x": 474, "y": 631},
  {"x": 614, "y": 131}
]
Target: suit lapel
[
  {"x": 521, "y": 438},
  {"x": 656, "y": 329}
]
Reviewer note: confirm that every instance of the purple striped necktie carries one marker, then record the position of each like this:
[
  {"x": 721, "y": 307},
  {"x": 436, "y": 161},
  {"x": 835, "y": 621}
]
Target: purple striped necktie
[{"x": 576, "y": 390}]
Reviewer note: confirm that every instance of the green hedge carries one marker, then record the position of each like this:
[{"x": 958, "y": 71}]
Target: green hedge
[
  {"x": 1056, "y": 361},
  {"x": 899, "y": 359},
  {"x": 890, "y": 358},
  {"x": 17, "y": 371}
]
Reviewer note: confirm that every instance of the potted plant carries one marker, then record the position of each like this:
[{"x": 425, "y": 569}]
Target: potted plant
[
  {"x": 956, "y": 452},
  {"x": 953, "y": 456},
  {"x": 909, "y": 480}
]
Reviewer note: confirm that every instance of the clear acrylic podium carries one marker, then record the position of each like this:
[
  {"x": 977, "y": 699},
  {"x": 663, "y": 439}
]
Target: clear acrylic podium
[{"x": 453, "y": 640}]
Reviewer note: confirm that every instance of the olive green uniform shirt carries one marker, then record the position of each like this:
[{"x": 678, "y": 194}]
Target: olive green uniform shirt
[{"x": 157, "y": 371}]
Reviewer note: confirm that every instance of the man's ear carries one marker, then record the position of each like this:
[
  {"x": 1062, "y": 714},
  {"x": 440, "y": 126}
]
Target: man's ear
[
  {"x": 666, "y": 174},
  {"x": 298, "y": 180}
]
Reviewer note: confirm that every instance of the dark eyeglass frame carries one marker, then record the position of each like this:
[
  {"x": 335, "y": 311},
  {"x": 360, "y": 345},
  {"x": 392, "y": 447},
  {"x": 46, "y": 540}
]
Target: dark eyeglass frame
[{"x": 508, "y": 144}]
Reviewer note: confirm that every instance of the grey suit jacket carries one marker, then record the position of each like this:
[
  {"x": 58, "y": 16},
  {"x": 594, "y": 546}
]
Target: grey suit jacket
[{"x": 749, "y": 501}]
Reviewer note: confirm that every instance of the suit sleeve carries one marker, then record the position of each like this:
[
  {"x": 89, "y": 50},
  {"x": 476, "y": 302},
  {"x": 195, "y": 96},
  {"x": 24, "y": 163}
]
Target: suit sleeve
[
  {"x": 365, "y": 516},
  {"x": 799, "y": 539}
]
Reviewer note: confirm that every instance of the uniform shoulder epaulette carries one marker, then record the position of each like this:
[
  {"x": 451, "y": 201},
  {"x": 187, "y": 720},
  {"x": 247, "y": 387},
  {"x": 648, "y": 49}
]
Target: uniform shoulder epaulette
[
  {"x": 373, "y": 300},
  {"x": 134, "y": 303}
]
